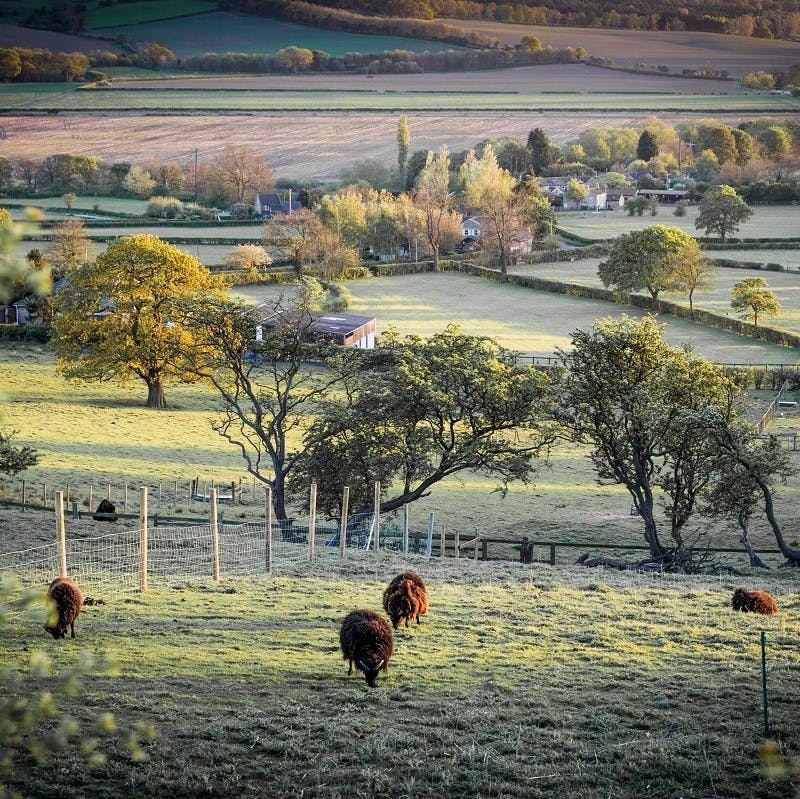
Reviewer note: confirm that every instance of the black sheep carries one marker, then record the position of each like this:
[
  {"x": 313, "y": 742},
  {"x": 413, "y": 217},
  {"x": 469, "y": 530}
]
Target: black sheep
[
  {"x": 106, "y": 507},
  {"x": 68, "y": 601},
  {"x": 406, "y": 597},
  {"x": 366, "y": 640}
]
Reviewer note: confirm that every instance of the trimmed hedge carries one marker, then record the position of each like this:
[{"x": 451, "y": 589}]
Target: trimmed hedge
[{"x": 29, "y": 333}]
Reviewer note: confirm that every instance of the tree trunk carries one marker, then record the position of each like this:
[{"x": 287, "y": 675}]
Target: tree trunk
[
  {"x": 755, "y": 561},
  {"x": 691, "y": 305},
  {"x": 278, "y": 486},
  {"x": 435, "y": 250},
  {"x": 155, "y": 395},
  {"x": 792, "y": 555}
]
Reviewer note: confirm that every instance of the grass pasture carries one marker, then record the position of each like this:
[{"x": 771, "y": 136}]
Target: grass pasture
[
  {"x": 231, "y": 32},
  {"x": 767, "y": 221},
  {"x": 95, "y": 100},
  {"x": 521, "y": 682},
  {"x": 786, "y": 285}
]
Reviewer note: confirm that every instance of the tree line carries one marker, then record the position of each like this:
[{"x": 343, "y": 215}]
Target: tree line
[{"x": 770, "y": 19}]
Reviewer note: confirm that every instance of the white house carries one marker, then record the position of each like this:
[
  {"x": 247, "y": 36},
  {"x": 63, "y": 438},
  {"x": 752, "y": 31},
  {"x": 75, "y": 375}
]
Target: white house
[{"x": 470, "y": 228}]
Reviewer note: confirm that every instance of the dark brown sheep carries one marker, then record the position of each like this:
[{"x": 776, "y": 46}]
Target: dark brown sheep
[
  {"x": 68, "y": 601},
  {"x": 106, "y": 507},
  {"x": 754, "y": 602},
  {"x": 405, "y": 598},
  {"x": 366, "y": 640}
]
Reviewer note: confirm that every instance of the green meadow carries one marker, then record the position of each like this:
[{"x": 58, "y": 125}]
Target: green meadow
[{"x": 229, "y": 32}]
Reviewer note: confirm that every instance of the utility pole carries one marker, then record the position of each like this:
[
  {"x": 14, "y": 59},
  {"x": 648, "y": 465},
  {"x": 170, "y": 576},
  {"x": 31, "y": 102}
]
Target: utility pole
[{"x": 195, "y": 175}]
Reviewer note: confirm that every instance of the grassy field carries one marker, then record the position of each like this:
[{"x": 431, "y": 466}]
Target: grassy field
[
  {"x": 299, "y": 145},
  {"x": 521, "y": 682},
  {"x": 786, "y": 286},
  {"x": 142, "y": 12},
  {"x": 228, "y": 32},
  {"x": 767, "y": 221},
  {"x": 676, "y": 49},
  {"x": 115, "y": 99},
  {"x": 522, "y": 319}
]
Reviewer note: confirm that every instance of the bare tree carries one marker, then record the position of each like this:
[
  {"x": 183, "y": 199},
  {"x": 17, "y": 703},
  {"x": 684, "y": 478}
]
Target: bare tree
[{"x": 244, "y": 170}]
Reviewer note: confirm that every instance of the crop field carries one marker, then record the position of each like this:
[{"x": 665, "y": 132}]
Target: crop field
[
  {"x": 17, "y": 36},
  {"x": 767, "y": 221},
  {"x": 305, "y": 145},
  {"x": 143, "y": 12},
  {"x": 523, "y": 682},
  {"x": 228, "y": 32},
  {"x": 675, "y": 49}
]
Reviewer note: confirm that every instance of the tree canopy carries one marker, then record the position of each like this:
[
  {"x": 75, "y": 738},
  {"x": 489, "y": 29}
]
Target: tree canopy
[
  {"x": 648, "y": 259},
  {"x": 639, "y": 402},
  {"x": 419, "y": 410},
  {"x": 754, "y": 297},
  {"x": 721, "y": 210},
  {"x": 116, "y": 317}
]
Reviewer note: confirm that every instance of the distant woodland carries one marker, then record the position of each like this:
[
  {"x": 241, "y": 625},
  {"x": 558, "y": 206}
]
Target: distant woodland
[{"x": 761, "y": 18}]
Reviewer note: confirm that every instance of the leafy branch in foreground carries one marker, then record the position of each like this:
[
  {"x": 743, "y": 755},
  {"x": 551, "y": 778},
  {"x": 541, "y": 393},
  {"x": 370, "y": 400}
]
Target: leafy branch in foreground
[{"x": 32, "y": 722}]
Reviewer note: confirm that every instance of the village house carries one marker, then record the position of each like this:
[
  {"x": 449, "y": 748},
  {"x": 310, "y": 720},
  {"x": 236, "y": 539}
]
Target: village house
[{"x": 265, "y": 206}]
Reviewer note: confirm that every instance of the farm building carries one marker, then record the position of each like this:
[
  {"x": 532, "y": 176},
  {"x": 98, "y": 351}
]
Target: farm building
[
  {"x": 667, "y": 196},
  {"x": 268, "y": 205},
  {"x": 347, "y": 330}
]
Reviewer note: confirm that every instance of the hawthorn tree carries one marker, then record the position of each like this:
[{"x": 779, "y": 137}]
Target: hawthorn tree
[
  {"x": 690, "y": 272},
  {"x": 648, "y": 259},
  {"x": 420, "y": 410},
  {"x": 116, "y": 317},
  {"x": 69, "y": 247},
  {"x": 721, "y": 210},
  {"x": 636, "y": 401},
  {"x": 271, "y": 384},
  {"x": 244, "y": 171}
]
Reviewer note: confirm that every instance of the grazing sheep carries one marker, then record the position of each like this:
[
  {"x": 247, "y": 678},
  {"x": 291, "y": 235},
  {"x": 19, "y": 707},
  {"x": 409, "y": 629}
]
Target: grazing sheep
[
  {"x": 366, "y": 640},
  {"x": 107, "y": 508},
  {"x": 68, "y": 601},
  {"x": 754, "y": 602},
  {"x": 405, "y": 598}
]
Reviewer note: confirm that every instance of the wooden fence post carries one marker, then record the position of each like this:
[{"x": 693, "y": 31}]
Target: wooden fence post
[
  {"x": 377, "y": 517},
  {"x": 125, "y": 500},
  {"x": 405, "y": 529},
  {"x": 442, "y": 537},
  {"x": 212, "y": 504},
  {"x": 552, "y": 554},
  {"x": 268, "y": 527},
  {"x": 108, "y": 492},
  {"x": 143, "y": 539},
  {"x": 312, "y": 520},
  {"x": 61, "y": 534},
  {"x": 159, "y": 493},
  {"x": 44, "y": 495},
  {"x": 343, "y": 522},
  {"x": 23, "y": 496},
  {"x": 484, "y": 549},
  {"x": 457, "y": 543},
  {"x": 91, "y": 497},
  {"x": 429, "y": 540}
]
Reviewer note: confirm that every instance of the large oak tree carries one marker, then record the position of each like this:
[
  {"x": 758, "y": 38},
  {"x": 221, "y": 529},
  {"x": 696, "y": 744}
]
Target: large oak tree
[{"x": 116, "y": 317}]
